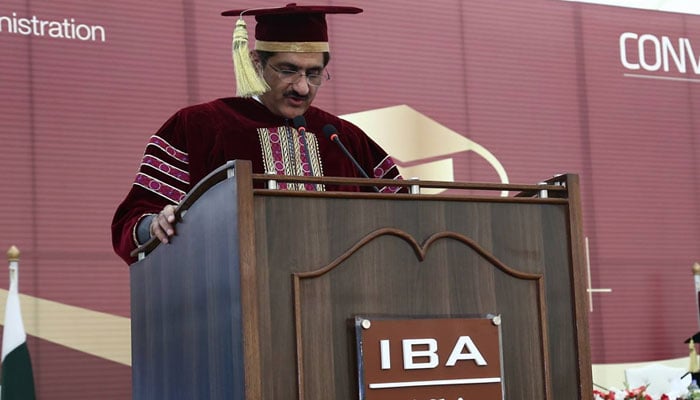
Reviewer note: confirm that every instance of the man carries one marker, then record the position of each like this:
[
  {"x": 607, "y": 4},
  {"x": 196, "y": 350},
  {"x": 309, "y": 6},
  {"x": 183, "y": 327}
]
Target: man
[{"x": 291, "y": 55}]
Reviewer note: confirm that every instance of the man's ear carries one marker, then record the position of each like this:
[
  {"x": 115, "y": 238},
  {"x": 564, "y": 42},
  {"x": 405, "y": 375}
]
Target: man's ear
[{"x": 256, "y": 60}]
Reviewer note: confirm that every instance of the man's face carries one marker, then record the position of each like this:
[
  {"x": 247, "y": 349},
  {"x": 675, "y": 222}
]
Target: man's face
[{"x": 285, "y": 98}]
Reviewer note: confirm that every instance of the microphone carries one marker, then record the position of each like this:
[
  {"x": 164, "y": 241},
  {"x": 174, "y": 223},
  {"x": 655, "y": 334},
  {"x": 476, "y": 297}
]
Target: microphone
[
  {"x": 332, "y": 134},
  {"x": 300, "y": 124}
]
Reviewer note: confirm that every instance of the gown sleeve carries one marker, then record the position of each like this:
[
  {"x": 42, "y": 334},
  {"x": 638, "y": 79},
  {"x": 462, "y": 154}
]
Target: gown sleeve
[{"x": 163, "y": 178}]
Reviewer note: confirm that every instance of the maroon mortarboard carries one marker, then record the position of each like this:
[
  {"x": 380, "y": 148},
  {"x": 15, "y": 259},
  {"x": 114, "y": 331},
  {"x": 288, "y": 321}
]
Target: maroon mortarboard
[
  {"x": 292, "y": 28},
  {"x": 695, "y": 338}
]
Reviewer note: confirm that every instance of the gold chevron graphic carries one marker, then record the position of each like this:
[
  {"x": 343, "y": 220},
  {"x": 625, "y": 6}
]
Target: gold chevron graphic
[
  {"x": 410, "y": 136},
  {"x": 99, "y": 334}
]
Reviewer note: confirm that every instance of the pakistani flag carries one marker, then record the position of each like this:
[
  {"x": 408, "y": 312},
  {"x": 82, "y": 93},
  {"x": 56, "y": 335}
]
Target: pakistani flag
[{"x": 17, "y": 377}]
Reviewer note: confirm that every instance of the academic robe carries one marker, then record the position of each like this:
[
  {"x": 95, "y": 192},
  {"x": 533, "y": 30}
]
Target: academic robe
[{"x": 198, "y": 139}]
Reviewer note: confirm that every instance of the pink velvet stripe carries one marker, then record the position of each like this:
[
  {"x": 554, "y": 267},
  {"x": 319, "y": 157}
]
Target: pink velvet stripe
[
  {"x": 168, "y": 149},
  {"x": 158, "y": 187},
  {"x": 167, "y": 169}
]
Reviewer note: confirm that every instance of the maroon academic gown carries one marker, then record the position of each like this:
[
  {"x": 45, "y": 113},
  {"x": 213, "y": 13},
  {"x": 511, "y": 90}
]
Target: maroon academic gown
[{"x": 198, "y": 139}]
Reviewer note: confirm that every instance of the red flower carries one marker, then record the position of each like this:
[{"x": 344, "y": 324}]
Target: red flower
[
  {"x": 638, "y": 391},
  {"x": 604, "y": 396},
  {"x": 637, "y": 394},
  {"x": 630, "y": 394}
]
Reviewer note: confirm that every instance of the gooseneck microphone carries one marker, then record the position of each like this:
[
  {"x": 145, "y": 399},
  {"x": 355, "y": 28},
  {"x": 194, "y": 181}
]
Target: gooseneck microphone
[
  {"x": 300, "y": 125},
  {"x": 332, "y": 134}
]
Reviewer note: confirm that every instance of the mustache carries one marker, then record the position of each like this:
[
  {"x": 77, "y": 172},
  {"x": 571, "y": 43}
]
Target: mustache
[{"x": 294, "y": 94}]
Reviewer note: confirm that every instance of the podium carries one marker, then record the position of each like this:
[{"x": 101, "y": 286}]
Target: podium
[{"x": 255, "y": 296}]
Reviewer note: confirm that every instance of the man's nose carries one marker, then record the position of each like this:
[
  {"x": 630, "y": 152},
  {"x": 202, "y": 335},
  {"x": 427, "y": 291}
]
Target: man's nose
[{"x": 302, "y": 86}]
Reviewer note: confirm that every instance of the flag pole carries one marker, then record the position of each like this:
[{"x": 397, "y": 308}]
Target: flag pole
[
  {"x": 17, "y": 377},
  {"x": 13, "y": 259}
]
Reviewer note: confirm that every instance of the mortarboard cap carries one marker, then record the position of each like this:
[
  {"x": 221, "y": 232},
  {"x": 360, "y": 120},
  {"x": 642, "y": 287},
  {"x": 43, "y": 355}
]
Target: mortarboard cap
[
  {"x": 292, "y": 28},
  {"x": 696, "y": 338}
]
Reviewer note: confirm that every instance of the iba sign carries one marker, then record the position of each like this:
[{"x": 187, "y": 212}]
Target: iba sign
[{"x": 429, "y": 359}]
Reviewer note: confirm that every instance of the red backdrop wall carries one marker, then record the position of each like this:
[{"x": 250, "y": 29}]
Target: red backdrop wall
[{"x": 542, "y": 84}]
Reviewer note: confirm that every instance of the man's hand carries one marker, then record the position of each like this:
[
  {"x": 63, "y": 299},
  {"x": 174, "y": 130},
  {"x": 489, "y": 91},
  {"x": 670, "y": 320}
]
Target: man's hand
[{"x": 163, "y": 224}]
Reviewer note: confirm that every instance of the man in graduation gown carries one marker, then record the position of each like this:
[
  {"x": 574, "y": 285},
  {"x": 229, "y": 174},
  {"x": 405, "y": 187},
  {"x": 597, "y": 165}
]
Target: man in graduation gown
[{"x": 291, "y": 53}]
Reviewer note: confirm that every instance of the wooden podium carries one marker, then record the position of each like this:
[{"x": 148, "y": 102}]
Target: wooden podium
[{"x": 253, "y": 297}]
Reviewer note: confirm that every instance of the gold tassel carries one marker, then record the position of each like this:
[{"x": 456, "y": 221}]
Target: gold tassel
[{"x": 248, "y": 82}]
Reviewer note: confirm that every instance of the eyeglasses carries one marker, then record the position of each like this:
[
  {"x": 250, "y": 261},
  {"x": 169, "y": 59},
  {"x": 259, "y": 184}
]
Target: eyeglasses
[{"x": 291, "y": 76}]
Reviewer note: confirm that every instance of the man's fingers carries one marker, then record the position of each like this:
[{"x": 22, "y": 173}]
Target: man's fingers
[
  {"x": 162, "y": 236},
  {"x": 162, "y": 225},
  {"x": 165, "y": 225},
  {"x": 169, "y": 214},
  {"x": 159, "y": 231}
]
